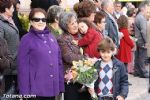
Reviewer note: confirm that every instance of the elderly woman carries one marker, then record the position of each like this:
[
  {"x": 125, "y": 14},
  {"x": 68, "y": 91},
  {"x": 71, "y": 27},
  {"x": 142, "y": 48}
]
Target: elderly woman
[
  {"x": 10, "y": 33},
  {"x": 70, "y": 52},
  {"x": 40, "y": 70},
  {"x": 52, "y": 17},
  {"x": 16, "y": 19}
]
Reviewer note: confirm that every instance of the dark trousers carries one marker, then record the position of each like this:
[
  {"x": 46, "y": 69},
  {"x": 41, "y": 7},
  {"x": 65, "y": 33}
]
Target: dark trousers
[
  {"x": 126, "y": 66},
  {"x": 10, "y": 80},
  {"x": 149, "y": 74},
  {"x": 140, "y": 57},
  {"x": 72, "y": 92}
]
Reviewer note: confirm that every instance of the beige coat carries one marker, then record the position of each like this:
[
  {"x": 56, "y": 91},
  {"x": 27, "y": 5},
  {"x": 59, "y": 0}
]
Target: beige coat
[{"x": 148, "y": 38}]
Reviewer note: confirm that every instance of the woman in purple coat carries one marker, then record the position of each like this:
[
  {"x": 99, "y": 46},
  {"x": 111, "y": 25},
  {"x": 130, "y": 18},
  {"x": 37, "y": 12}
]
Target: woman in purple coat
[{"x": 40, "y": 69}]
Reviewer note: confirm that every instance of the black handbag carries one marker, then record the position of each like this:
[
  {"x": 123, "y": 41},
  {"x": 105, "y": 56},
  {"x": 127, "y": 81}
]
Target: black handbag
[{"x": 4, "y": 63}]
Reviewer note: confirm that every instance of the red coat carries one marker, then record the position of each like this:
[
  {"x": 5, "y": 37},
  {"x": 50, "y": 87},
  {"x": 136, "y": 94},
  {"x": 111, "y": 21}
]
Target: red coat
[
  {"x": 126, "y": 44},
  {"x": 90, "y": 42}
]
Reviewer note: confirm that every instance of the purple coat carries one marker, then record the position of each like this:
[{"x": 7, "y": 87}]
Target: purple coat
[{"x": 40, "y": 69}]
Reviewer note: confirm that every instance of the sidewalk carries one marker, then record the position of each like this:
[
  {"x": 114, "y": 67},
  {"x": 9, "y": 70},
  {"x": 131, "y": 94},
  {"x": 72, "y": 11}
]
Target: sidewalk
[{"x": 139, "y": 88}]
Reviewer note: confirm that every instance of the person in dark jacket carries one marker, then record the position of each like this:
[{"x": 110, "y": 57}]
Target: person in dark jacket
[
  {"x": 10, "y": 33},
  {"x": 44, "y": 4},
  {"x": 111, "y": 26},
  {"x": 112, "y": 83},
  {"x": 16, "y": 18}
]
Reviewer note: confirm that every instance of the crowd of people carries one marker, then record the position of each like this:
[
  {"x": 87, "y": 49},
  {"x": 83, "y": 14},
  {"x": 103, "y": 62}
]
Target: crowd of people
[{"x": 38, "y": 61}]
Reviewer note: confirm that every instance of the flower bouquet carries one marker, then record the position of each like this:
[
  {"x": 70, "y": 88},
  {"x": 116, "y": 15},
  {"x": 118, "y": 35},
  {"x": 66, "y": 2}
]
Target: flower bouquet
[{"x": 83, "y": 71}]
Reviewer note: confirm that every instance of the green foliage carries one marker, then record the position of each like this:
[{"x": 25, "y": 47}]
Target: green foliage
[
  {"x": 87, "y": 77},
  {"x": 24, "y": 19}
]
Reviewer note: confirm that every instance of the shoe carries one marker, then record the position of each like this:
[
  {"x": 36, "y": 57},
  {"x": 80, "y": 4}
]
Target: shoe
[
  {"x": 129, "y": 84},
  {"x": 146, "y": 75},
  {"x": 132, "y": 73},
  {"x": 136, "y": 74}
]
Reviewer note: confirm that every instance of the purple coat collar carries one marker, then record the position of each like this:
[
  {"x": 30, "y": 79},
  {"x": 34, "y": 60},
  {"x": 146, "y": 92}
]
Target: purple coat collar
[{"x": 45, "y": 31}]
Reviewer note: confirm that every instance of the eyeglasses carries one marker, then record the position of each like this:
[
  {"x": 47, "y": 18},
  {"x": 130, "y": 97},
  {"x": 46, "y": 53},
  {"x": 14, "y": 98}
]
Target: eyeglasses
[{"x": 38, "y": 19}]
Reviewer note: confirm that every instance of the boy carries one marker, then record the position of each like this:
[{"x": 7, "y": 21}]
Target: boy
[{"x": 112, "y": 83}]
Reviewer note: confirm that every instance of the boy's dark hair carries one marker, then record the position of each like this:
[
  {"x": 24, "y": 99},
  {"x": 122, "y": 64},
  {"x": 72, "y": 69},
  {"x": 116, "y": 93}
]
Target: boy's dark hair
[
  {"x": 85, "y": 21},
  {"x": 106, "y": 44},
  {"x": 122, "y": 22}
]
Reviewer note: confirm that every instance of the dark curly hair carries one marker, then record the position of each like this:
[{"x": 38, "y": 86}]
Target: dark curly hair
[
  {"x": 122, "y": 22},
  {"x": 85, "y": 8}
]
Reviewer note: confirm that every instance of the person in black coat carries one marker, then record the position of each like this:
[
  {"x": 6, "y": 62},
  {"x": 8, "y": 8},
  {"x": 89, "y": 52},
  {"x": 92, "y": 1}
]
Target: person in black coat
[
  {"x": 44, "y": 4},
  {"x": 17, "y": 20}
]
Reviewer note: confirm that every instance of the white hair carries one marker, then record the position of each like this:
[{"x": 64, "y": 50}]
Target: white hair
[{"x": 105, "y": 3}]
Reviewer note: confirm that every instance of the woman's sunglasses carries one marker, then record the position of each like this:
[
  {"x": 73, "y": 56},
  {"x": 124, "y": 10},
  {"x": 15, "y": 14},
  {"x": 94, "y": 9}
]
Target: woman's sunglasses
[{"x": 38, "y": 19}]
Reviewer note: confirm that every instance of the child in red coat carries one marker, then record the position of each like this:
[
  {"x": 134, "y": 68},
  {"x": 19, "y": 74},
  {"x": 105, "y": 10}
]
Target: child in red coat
[
  {"x": 126, "y": 43},
  {"x": 90, "y": 39}
]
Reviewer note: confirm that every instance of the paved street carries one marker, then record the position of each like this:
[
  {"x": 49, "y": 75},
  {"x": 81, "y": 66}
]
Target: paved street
[
  {"x": 147, "y": 98},
  {"x": 139, "y": 88}
]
